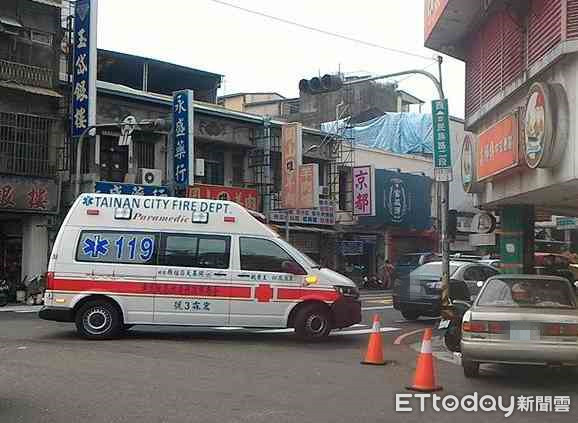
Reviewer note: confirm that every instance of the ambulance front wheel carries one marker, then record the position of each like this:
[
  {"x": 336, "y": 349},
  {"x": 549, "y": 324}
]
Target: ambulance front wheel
[
  {"x": 99, "y": 320},
  {"x": 312, "y": 322}
]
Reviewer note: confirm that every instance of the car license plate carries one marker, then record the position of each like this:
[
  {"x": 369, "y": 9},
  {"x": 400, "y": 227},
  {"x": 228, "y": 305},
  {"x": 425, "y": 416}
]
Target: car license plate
[
  {"x": 520, "y": 335},
  {"x": 444, "y": 324}
]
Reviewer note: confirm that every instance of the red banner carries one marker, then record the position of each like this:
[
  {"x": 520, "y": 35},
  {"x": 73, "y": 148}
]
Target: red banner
[{"x": 246, "y": 197}]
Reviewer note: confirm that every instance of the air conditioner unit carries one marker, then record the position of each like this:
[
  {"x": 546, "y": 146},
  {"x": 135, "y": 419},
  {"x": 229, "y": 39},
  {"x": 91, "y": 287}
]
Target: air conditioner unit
[
  {"x": 199, "y": 167},
  {"x": 324, "y": 190},
  {"x": 150, "y": 176}
]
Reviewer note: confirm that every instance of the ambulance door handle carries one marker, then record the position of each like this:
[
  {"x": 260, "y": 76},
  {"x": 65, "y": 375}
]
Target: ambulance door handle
[
  {"x": 220, "y": 274},
  {"x": 244, "y": 276}
]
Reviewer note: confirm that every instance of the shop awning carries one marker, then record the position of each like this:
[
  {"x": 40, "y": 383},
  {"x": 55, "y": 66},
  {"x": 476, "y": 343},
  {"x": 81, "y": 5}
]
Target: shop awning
[
  {"x": 305, "y": 229},
  {"x": 7, "y": 21},
  {"x": 30, "y": 89}
]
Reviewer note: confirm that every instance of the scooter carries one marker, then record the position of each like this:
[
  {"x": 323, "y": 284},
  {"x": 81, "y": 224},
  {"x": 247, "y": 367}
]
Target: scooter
[
  {"x": 460, "y": 303},
  {"x": 4, "y": 289},
  {"x": 372, "y": 282}
]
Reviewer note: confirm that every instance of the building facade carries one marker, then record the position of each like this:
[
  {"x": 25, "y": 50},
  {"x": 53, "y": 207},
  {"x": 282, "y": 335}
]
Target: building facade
[
  {"x": 521, "y": 66},
  {"x": 32, "y": 111}
]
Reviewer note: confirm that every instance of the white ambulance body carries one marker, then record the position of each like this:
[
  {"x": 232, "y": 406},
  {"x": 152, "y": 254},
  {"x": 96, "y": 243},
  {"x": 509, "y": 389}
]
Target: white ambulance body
[{"x": 123, "y": 260}]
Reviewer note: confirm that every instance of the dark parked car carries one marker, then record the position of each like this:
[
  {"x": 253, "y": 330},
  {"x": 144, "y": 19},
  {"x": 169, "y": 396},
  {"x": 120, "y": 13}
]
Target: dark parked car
[
  {"x": 409, "y": 262},
  {"x": 418, "y": 293}
]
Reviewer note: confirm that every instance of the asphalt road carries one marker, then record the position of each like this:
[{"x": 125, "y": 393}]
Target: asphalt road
[{"x": 48, "y": 374}]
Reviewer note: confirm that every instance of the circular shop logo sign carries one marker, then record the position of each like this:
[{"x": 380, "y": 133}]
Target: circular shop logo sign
[
  {"x": 483, "y": 223},
  {"x": 538, "y": 125},
  {"x": 396, "y": 200}
]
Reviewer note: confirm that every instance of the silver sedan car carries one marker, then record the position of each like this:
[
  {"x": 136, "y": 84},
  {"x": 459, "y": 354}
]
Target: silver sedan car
[{"x": 521, "y": 319}]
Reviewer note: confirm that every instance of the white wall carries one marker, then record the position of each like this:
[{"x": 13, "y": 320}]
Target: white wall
[
  {"x": 385, "y": 160},
  {"x": 34, "y": 246}
]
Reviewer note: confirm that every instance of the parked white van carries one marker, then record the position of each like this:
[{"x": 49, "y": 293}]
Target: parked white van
[{"x": 122, "y": 260}]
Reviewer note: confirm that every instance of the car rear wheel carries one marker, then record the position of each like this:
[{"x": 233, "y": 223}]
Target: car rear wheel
[
  {"x": 313, "y": 322},
  {"x": 410, "y": 315},
  {"x": 98, "y": 320},
  {"x": 471, "y": 368}
]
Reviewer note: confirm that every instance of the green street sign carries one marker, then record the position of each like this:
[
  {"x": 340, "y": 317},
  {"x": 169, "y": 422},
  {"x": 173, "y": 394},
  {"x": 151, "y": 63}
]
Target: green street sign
[{"x": 442, "y": 141}]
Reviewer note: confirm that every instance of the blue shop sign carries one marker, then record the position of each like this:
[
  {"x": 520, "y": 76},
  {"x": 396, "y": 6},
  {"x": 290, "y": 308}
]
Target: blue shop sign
[
  {"x": 103, "y": 187},
  {"x": 402, "y": 200}
]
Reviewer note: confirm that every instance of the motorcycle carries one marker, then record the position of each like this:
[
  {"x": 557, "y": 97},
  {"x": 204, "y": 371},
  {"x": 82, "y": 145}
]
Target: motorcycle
[
  {"x": 372, "y": 282},
  {"x": 460, "y": 303},
  {"x": 4, "y": 290}
]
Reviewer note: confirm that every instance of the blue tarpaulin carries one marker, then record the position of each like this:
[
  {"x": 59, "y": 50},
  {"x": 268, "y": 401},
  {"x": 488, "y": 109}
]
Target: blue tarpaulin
[{"x": 402, "y": 133}]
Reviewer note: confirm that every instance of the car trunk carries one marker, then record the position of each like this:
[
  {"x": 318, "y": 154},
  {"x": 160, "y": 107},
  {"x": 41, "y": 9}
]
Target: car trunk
[{"x": 532, "y": 325}]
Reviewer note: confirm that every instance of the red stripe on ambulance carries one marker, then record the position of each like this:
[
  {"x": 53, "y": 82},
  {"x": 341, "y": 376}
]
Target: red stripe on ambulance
[{"x": 263, "y": 292}]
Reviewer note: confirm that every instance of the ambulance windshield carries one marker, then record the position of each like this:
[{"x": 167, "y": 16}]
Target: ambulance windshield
[{"x": 296, "y": 253}]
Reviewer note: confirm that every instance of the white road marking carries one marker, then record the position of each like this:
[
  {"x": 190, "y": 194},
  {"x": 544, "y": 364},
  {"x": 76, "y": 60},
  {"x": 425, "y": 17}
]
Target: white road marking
[
  {"x": 363, "y": 331},
  {"x": 376, "y": 308},
  {"x": 382, "y": 297},
  {"x": 289, "y": 330}
]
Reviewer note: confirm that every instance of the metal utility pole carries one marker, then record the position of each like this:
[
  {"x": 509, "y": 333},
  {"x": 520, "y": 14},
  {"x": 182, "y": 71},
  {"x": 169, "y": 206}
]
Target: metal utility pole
[
  {"x": 442, "y": 168},
  {"x": 445, "y": 195}
]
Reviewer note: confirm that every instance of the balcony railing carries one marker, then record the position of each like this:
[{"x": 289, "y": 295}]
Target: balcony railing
[
  {"x": 26, "y": 74},
  {"x": 25, "y": 145}
]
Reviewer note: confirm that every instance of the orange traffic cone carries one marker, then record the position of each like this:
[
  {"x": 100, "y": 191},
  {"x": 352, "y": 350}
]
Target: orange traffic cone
[
  {"x": 374, "y": 355},
  {"x": 424, "y": 379}
]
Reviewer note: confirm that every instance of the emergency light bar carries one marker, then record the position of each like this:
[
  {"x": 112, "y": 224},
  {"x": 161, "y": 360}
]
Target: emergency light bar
[
  {"x": 124, "y": 213},
  {"x": 200, "y": 217}
]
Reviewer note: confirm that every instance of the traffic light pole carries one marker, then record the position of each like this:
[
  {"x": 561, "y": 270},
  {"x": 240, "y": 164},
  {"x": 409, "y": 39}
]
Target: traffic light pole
[
  {"x": 444, "y": 185},
  {"x": 445, "y": 214}
]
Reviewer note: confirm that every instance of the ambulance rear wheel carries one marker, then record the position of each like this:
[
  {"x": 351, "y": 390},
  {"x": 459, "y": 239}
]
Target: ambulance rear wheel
[
  {"x": 312, "y": 322},
  {"x": 98, "y": 320}
]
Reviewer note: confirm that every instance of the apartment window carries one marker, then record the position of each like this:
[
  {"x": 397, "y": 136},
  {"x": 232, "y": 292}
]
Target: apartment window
[
  {"x": 40, "y": 37},
  {"x": 214, "y": 166},
  {"x": 238, "y": 169},
  {"x": 25, "y": 145},
  {"x": 144, "y": 153},
  {"x": 113, "y": 159}
]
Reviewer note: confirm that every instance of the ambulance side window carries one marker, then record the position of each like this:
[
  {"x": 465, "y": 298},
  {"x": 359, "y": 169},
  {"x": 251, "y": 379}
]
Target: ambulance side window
[
  {"x": 205, "y": 251},
  {"x": 117, "y": 247},
  {"x": 263, "y": 255}
]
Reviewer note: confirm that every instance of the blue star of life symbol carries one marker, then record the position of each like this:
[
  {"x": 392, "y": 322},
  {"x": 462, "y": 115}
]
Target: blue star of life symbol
[
  {"x": 96, "y": 247},
  {"x": 87, "y": 201}
]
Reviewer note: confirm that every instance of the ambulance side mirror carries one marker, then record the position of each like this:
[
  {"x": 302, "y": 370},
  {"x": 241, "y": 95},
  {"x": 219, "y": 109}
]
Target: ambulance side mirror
[{"x": 292, "y": 268}]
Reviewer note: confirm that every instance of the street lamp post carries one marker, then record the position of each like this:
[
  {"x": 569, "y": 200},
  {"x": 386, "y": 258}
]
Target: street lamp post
[{"x": 444, "y": 185}]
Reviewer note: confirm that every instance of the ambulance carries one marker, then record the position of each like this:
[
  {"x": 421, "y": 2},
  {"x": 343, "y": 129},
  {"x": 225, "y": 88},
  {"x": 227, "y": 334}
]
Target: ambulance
[{"x": 122, "y": 260}]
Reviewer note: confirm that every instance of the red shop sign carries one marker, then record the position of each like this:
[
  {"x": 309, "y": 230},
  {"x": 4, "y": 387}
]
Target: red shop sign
[{"x": 246, "y": 197}]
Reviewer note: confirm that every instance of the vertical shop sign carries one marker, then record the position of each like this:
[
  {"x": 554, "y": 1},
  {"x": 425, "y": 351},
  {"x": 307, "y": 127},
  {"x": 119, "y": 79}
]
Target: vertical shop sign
[
  {"x": 84, "y": 66},
  {"x": 308, "y": 186},
  {"x": 364, "y": 191},
  {"x": 292, "y": 145},
  {"x": 183, "y": 138}
]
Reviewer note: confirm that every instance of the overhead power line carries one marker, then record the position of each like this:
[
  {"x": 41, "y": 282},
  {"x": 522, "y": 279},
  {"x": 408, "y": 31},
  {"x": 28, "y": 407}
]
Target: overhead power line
[{"x": 321, "y": 31}]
